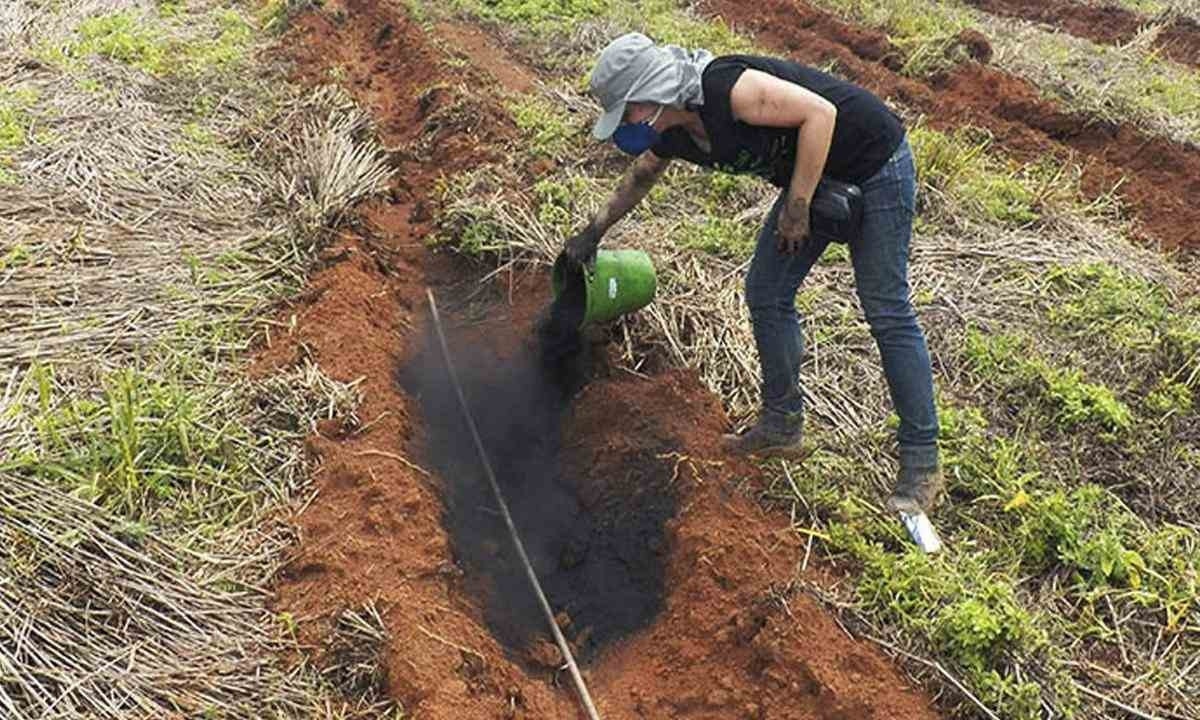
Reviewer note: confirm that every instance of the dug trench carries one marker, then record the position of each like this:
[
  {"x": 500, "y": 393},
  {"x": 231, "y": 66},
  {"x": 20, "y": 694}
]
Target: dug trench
[
  {"x": 676, "y": 587},
  {"x": 593, "y": 526}
]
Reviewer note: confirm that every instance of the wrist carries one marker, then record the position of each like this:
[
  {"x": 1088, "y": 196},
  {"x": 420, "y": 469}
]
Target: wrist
[{"x": 797, "y": 204}]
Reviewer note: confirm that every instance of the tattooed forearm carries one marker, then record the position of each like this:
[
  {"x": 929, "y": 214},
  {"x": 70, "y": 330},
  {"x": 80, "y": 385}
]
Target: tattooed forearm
[{"x": 634, "y": 186}]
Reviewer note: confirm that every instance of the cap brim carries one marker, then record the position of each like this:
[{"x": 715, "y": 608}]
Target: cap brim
[{"x": 608, "y": 122}]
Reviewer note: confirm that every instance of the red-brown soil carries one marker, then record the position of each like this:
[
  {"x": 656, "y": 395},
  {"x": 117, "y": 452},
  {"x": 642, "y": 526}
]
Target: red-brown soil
[
  {"x": 732, "y": 639},
  {"x": 1162, "y": 178},
  {"x": 1109, "y": 24}
]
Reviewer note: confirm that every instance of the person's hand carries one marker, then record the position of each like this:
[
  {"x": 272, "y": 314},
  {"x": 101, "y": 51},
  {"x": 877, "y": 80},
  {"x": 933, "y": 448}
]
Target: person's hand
[
  {"x": 792, "y": 226},
  {"x": 581, "y": 248}
]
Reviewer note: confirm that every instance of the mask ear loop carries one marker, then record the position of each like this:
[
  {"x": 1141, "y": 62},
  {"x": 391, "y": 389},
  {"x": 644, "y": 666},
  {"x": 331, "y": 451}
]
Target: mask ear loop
[{"x": 657, "y": 115}]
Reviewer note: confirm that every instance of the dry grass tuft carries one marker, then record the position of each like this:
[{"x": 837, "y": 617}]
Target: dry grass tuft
[{"x": 100, "y": 619}]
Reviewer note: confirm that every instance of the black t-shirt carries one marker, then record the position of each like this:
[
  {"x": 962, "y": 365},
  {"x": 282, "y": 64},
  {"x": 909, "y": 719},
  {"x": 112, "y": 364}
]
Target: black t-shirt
[{"x": 864, "y": 137}]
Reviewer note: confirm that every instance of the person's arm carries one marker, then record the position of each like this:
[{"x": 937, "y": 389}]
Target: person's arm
[
  {"x": 634, "y": 185},
  {"x": 758, "y": 98}
]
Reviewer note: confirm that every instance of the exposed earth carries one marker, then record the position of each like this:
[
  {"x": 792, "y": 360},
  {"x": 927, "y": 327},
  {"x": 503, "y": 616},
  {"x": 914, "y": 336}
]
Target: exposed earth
[{"x": 676, "y": 589}]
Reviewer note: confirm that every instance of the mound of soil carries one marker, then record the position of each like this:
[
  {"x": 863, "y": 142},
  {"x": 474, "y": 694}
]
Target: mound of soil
[
  {"x": 1109, "y": 24},
  {"x": 1161, "y": 177},
  {"x": 678, "y": 589}
]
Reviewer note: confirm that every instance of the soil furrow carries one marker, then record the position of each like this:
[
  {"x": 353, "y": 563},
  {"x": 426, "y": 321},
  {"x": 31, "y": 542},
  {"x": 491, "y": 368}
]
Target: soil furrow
[{"x": 1179, "y": 40}]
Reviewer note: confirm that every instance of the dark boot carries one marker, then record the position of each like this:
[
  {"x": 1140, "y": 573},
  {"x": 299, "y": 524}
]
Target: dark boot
[
  {"x": 774, "y": 435},
  {"x": 918, "y": 489}
]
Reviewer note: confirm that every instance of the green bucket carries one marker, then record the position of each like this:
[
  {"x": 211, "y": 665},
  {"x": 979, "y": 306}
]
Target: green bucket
[{"x": 618, "y": 282}]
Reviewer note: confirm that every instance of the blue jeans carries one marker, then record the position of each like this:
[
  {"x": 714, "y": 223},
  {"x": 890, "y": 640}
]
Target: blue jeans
[{"x": 880, "y": 259}]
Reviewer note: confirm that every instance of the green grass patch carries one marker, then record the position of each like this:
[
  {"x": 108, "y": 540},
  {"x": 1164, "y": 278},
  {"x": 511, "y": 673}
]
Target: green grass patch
[
  {"x": 124, "y": 36},
  {"x": 14, "y": 118},
  {"x": 665, "y": 22},
  {"x": 1178, "y": 95},
  {"x": 1130, "y": 317},
  {"x": 718, "y": 236},
  {"x": 547, "y": 133},
  {"x": 538, "y": 11},
  {"x": 923, "y": 31},
  {"x": 1008, "y": 360},
  {"x": 959, "y": 165},
  {"x": 141, "y": 442},
  {"x": 1097, "y": 300},
  {"x": 218, "y": 43},
  {"x": 1169, "y": 397},
  {"x": 225, "y": 50},
  {"x": 15, "y": 127}
]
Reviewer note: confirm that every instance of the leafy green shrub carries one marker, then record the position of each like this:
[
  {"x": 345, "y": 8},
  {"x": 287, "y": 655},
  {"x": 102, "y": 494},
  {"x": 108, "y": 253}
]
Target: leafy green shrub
[
  {"x": 994, "y": 356},
  {"x": 1008, "y": 361},
  {"x": 1172, "y": 556},
  {"x": 1169, "y": 397},
  {"x": 718, "y": 236},
  {"x": 543, "y": 125},
  {"x": 558, "y": 201},
  {"x": 1085, "y": 529},
  {"x": 122, "y": 36},
  {"x": 1080, "y": 402},
  {"x": 977, "y": 630},
  {"x": 968, "y": 610}
]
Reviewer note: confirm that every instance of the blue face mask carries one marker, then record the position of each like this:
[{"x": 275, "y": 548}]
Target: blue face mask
[{"x": 637, "y": 138}]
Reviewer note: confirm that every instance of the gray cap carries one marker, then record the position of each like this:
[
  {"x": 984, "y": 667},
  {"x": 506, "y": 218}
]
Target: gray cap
[
  {"x": 633, "y": 69},
  {"x": 614, "y": 78}
]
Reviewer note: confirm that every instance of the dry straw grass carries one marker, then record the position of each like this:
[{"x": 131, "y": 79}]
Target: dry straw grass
[
  {"x": 149, "y": 217},
  {"x": 97, "y": 623}
]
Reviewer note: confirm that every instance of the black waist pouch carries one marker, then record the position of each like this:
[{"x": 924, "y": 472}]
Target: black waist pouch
[{"x": 836, "y": 211}]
